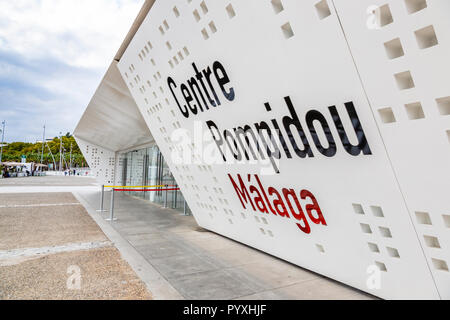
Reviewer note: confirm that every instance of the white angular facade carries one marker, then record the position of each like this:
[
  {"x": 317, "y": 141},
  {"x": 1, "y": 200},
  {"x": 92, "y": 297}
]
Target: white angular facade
[{"x": 352, "y": 177}]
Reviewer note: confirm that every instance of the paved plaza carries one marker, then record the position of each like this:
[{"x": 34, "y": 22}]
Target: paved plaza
[
  {"x": 149, "y": 252},
  {"x": 50, "y": 248}
]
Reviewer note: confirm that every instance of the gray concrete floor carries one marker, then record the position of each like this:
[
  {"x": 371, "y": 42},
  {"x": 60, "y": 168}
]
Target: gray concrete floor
[{"x": 200, "y": 264}]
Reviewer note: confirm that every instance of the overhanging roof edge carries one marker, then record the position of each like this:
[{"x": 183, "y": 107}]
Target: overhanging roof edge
[{"x": 134, "y": 28}]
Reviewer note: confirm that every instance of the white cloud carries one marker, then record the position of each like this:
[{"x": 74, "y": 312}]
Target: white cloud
[
  {"x": 82, "y": 33},
  {"x": 53, "y": 54}
]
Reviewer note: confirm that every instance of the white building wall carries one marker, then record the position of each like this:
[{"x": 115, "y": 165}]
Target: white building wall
[
  {"x": 387, "y": 208},
  {"x": 412, "y": 111},
  {"x": 101, "y": 161}
]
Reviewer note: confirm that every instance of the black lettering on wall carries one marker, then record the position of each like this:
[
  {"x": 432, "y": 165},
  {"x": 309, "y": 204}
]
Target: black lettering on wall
[
  {"x": 216, "y": 136},
  {"x": 315, "y": 115},
  {"x": 362, "y": 145},
  {"x": 294, "y": 121},
  {"x": 223, "y": 80},
  {"x": 171, "y": 83}
]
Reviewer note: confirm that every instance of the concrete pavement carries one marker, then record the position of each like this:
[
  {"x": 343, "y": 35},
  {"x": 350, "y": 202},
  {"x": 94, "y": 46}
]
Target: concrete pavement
[
  {"x": 168, "y": 252},
  {"x": 199, "y": 264}
]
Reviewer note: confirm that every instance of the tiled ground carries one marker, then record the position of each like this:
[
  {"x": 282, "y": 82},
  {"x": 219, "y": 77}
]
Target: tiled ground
[
  {"x": 203, "y": 265},
  {"x": 40, "y": 239}
]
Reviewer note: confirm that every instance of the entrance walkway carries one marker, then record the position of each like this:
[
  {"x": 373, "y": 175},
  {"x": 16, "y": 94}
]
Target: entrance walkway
[{"x": 199, "y": 264}]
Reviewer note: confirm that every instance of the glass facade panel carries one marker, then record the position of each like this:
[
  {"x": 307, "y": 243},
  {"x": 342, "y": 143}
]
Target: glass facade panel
[{"x": 146, "y": 167}]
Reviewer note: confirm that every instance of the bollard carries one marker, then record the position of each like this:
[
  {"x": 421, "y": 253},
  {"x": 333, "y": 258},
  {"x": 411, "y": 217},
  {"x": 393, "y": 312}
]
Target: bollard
[
  {"x": 111, "y": 209},
  {"x": 185, "y": 208},
  {"x": 101, "y": 199},
  {"x": 165, "y": 198}
]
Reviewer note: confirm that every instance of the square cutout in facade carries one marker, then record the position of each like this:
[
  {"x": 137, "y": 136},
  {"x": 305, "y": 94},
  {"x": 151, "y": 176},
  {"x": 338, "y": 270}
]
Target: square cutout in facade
[
  {"x": 414, "y": 111},
  {"x": 404, "y": 80},
  {"x": 277, "y": 6},
  {"x": 384, "y": 15},
  {"x": 387, "y": 115},
  {"x": 385, "y": 232},
  {"x": 212, "y": 27},
  {"x": 373, "y": 247},
  {"x": 439, "y": 264},
  {"x": 358, "y": 208},
  {"x": 323, "y": 10},
  {"x": 443, "y": 106},
  {"x": 448, "y": 135},
  {"x": 446, "y": 218},
  {"x": 205, "y": 34},
  {"x": 204, "y": 7},
  {"x": 426, "y": 37},
  {"x": 176, "y": 12},
  {"x": 365, "y": 228},
  {"x": 377, "y": 211},
  {"x": 394, "y": 49},
  {"x": 287, "y": 30},
  {"x": 432, "y": 242},
  {"x": 392, "y": 252},
  {"x": 320, "y": 248},
  {"x": 196, "y": 15},
  {"x": 230, "y": 11},
  {"x": 423, "y": 218},
  {"x": 381, "y": 266},
  {"x": 414, "y": 6}
]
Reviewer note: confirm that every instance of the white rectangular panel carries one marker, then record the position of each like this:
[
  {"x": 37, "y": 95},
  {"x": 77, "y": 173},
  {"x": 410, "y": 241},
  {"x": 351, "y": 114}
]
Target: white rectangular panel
[
  {"x": 403, "y": 62},
  {"x": 271, "y": 50}
]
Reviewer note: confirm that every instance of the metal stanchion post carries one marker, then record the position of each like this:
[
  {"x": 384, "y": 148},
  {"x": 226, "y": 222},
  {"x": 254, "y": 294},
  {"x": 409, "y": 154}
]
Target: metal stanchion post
[
  {"x": 185, "y": 208},
  {"x": 102, "y": 199},
  {"x": 165, "y": 198},
  {"x": 111, "y": 209}
]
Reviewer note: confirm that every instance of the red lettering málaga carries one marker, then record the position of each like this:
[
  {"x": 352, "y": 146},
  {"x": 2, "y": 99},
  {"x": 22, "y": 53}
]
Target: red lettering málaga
[{"x": 285, "y": 206}]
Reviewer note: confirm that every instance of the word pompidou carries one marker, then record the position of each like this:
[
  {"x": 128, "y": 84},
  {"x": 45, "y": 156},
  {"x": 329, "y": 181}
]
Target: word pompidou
[{"x": 245, "y": 141}]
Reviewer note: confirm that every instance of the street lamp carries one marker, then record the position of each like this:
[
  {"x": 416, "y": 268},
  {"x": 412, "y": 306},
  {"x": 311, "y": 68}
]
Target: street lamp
[
  {"x": 60, "y": 151},
  {"x": 43, "y": 145},
  {"x": 3, "y": 139}
]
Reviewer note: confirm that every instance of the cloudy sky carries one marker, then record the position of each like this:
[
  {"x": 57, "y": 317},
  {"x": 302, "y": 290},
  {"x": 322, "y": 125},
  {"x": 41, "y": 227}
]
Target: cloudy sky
[{"x": 53, "y": 54}]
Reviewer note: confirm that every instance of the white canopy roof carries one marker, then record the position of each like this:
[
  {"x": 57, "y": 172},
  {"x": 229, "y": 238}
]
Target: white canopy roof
[{"x": 112, "y": 119}]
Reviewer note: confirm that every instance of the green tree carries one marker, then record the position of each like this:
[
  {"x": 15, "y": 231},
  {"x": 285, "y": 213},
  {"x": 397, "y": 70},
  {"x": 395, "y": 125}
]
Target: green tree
[{"x": 15, "y": 150}]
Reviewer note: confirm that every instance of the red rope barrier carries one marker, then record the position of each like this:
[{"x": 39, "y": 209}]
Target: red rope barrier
[{"x": 145, "y": 190}]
